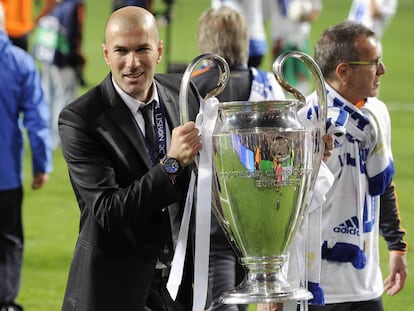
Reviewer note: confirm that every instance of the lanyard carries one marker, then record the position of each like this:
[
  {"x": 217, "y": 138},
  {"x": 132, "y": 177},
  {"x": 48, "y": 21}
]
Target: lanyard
[{"x": 160, "y": 129}]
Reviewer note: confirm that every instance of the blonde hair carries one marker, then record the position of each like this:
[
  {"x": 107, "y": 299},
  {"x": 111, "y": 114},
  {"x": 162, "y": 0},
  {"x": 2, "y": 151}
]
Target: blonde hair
[{"x": 223, "y": 31}]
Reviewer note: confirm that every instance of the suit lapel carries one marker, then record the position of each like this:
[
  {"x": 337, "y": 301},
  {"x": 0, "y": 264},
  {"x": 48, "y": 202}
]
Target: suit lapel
[
  {"x": 171, "y": 107},
  {"x": 123, "y": 118}
]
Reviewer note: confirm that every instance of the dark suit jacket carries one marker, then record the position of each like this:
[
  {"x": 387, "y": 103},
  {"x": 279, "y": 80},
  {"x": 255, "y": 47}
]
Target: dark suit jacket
[{"x": 120, "y": 196}]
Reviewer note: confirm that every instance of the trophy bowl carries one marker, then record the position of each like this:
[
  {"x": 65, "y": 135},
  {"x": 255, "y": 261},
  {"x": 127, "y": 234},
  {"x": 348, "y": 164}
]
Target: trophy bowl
[
  {"x": 263, "y": 158},
  {"x": 266, "y": 162}
]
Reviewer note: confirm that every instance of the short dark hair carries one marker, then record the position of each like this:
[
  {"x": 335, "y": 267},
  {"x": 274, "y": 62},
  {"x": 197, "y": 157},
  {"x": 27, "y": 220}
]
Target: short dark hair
[{"x": 337, "y": 45}]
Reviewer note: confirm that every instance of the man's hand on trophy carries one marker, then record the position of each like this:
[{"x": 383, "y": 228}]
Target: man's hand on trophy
[
  {"x": 329, "y": 143},
  {"x": 185, "y": 143}
]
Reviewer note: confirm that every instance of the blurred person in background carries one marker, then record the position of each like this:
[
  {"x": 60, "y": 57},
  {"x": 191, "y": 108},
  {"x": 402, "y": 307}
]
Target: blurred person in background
[
  {"x": 256, "y": 13},
  {"x": 375, "y": 14},
  {"x": 58, "y": 48},
  {"x": 290, "y": 31},
  {"x": 19, "y": 19},
  {"x": 21, "y": 106}
]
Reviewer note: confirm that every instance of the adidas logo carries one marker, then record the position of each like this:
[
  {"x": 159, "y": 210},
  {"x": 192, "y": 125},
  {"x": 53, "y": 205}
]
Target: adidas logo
[{"x": 349, "y": 226}]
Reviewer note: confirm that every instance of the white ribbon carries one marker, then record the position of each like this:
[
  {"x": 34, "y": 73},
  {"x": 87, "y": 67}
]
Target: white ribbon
[
  {"x": 205, "y": 121},
  {"x": 208, "y": 113},
  {"x": 177, "y": 264}
]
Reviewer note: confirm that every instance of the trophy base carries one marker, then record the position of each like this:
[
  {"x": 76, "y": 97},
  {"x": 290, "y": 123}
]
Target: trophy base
[
  {"x": 251, "y": 295},
  {"x": 264, "y": 285}
]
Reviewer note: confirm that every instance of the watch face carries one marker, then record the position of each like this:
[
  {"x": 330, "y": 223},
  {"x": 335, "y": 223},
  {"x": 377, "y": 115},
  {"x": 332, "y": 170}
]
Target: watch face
[{"x": 171, "y": 166}]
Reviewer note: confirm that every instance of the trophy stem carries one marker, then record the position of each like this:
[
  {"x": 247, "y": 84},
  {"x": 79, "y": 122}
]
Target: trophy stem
[{"x": 265, "y": 283}]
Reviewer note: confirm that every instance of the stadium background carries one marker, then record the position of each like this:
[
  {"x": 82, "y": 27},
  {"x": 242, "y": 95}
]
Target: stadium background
[{"x": 51, "y": 215}]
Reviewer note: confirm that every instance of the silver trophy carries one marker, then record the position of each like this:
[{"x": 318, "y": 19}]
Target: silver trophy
[{"x": 266, "y": 162}]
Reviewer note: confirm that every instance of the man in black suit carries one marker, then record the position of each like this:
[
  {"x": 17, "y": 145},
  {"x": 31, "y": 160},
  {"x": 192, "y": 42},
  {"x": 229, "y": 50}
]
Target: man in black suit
[{"x": 130, "y": 179}]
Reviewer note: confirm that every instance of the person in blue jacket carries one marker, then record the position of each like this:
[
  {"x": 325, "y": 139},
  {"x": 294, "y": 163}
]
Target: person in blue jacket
[{"x": 21, "y": 106}]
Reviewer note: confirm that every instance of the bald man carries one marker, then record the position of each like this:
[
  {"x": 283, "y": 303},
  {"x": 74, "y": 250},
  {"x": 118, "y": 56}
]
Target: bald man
[{"x": 130, "y": 180}]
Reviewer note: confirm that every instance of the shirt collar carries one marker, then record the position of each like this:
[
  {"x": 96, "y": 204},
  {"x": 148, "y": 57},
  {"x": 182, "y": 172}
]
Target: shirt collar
[{"x": 133, "y": 104}]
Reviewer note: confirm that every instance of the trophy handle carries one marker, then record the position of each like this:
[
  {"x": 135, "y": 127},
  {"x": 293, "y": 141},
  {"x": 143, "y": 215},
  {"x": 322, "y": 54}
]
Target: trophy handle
[
  {"x": 319, "y": 84},
  {"x": 221, "y": 83}
]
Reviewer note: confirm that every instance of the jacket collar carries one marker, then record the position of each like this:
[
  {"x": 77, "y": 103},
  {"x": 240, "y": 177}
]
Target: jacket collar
[{"x": 122, "y": 117}]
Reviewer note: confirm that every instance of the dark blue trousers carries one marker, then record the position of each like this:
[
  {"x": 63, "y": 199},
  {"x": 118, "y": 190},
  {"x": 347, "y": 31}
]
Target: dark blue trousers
[{"x": 11, "y": 244}]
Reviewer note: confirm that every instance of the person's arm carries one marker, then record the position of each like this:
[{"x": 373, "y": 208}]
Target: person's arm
[
  {"x": 390, "y": 222},
  {"x": 107, "y": 176},
  {"x": 390, "y": 229},
  {"x": 36, "y": 120},
  {"x": 117, "y": 187}
]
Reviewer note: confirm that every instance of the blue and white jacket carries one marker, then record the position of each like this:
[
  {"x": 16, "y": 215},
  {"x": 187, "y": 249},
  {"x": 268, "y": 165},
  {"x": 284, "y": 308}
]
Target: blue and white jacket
[{"x": 362, "y": 165}]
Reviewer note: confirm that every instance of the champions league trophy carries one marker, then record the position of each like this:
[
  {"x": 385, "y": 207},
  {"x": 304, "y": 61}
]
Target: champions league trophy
[{"x": 266, "y": 163}]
